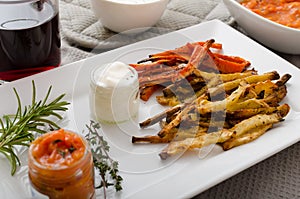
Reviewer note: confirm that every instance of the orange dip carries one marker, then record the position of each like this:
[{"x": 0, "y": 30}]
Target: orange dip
[
  {"x": 58, "y": 149},
  {"x": 285, "y": 12},
  {"x": 60, "y": 165}
]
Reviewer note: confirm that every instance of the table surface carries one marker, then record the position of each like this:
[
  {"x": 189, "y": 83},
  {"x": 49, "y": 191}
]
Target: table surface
[{"x": 84, "y": 36}]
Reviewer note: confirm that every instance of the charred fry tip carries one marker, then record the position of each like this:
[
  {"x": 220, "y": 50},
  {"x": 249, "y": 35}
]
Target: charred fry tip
[
  {"x": 248, "y": 63},
  {"x": 282, "y": 112},
  {"x": 288, "y": 76},
  {"x": 163, "y": 155},
  {"x": 143, "y": 60},
  {"x": 253, "y": 71},
  {"x": 134, "y": 139},
  {"x": 146, "y": 139},
  {"x": 161, "y": 134},
  {"x": 276, "y": 75},
  {"x": 211, "y": 41},
  {"x": 148, "y": 122},
  {"x": 144, "y": 124},
  {"x": 283, "y": 80}
]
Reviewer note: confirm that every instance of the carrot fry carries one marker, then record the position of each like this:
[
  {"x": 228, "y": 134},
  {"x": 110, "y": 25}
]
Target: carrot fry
[
  {"x": 214, "y": 45},
  {"x": 146, "y": 92},
  {"x": 188, "y": 48},
  {"x": 170, "y": 59},
  {"x": 147, "y": 66},
  {"x": 196, "y": 58},
  {"x": 160, "y": 79},
  {"x": 229, "y": 64},
  {"x": 173, "y": 65}
]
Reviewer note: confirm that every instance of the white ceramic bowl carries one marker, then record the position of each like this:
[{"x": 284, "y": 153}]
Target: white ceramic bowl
[
  {"x": 129, "y": 16},
  {"x": 273, "y": 35}
]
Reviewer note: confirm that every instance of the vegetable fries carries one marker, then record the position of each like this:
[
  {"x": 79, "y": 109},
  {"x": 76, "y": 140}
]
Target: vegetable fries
[
  {"x": 165, "y": 68},
  {"x": 229, "y": 108}
]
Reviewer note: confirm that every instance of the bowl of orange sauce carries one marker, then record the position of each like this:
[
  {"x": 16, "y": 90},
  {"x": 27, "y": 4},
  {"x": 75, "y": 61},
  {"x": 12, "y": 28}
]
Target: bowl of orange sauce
[
  {"x": 60, "y": 166},
  {"x": 274, "y": 23}
]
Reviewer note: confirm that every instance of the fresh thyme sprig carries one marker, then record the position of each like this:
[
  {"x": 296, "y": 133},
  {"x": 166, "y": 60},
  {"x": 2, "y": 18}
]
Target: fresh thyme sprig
[
  {"x": 107, "y": 167},
  {"x": 19, "y": 129}
]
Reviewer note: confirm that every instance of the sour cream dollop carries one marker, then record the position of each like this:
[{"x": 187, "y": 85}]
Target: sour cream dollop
[{"x": 114, "y": 94}]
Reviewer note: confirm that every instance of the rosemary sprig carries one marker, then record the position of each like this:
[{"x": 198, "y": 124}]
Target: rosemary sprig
[
  {"x": 19, "y": 129},
  {"x": 107, "y": 167}
]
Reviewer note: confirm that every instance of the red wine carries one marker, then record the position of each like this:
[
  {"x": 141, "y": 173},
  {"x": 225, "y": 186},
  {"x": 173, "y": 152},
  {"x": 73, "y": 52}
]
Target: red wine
[{"x": 29, "y": 44}]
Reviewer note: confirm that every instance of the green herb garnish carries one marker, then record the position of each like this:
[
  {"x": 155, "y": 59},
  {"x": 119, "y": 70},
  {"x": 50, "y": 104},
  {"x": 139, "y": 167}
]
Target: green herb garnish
[
  {"x": 19, "y": 129},
  {"x": 107, "y": 167}
]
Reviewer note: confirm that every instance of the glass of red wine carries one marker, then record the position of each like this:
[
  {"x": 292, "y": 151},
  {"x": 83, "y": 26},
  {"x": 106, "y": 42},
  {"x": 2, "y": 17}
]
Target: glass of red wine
[{"x": 29, "y": 37}]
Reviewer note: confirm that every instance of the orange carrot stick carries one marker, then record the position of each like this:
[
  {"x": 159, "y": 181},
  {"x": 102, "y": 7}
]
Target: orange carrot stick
[
  {"x": 230, "y": 64},
  {"x": 146, "y": 92},
  {"x": 197, "y": 57},
  {"x": 187, "y": 49},
  {"x": 214, "y": 45}
]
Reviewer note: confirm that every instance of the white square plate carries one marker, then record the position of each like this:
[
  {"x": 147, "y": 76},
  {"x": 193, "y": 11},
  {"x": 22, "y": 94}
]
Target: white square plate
[{"x": 145, "y": 175}]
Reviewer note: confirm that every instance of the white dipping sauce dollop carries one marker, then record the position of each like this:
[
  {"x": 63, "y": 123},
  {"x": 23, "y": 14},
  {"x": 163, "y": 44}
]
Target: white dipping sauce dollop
[{"x": 114, "y": 94}]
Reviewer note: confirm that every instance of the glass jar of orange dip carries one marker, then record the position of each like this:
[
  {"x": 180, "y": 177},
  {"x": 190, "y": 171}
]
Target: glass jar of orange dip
[{"x": 60, "y": 165}]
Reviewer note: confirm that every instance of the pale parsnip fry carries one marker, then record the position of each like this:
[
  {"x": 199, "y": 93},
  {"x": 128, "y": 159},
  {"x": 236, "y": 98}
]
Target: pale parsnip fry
[
  {"x": 167, "y": 101},
  {"x": 224, "y": 134},
  {"x": 249, "y": 112},
  {"x": 160, "y": 116},
  {"x": 283, "y": 80},
  {"x": 224, "y": 77},
  {"x": 172, "y": 96},
  {"x": 259, "y": 120},
  {"x": 154, "y": 139},
  {"x": 277, "y": 96},
  {"x": 218, "y": 83},
  {"x": 237, "y": 101},
  {"x": 246, "y": 138},
  {"x": 249, "y": 104},
  {"x": 197, "y": 142},
  {"x": 176, "y": 134},
  {"x": 228, "y": 86},
  {"x": 175, "y": 101},
  {"x": 178, "y": 118},
  {"x": 164, "y": 131},
  {"x": 267, "y": 87},
  {"x": 190, "y": 133},
  {"x": 206, "y": 106}
]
